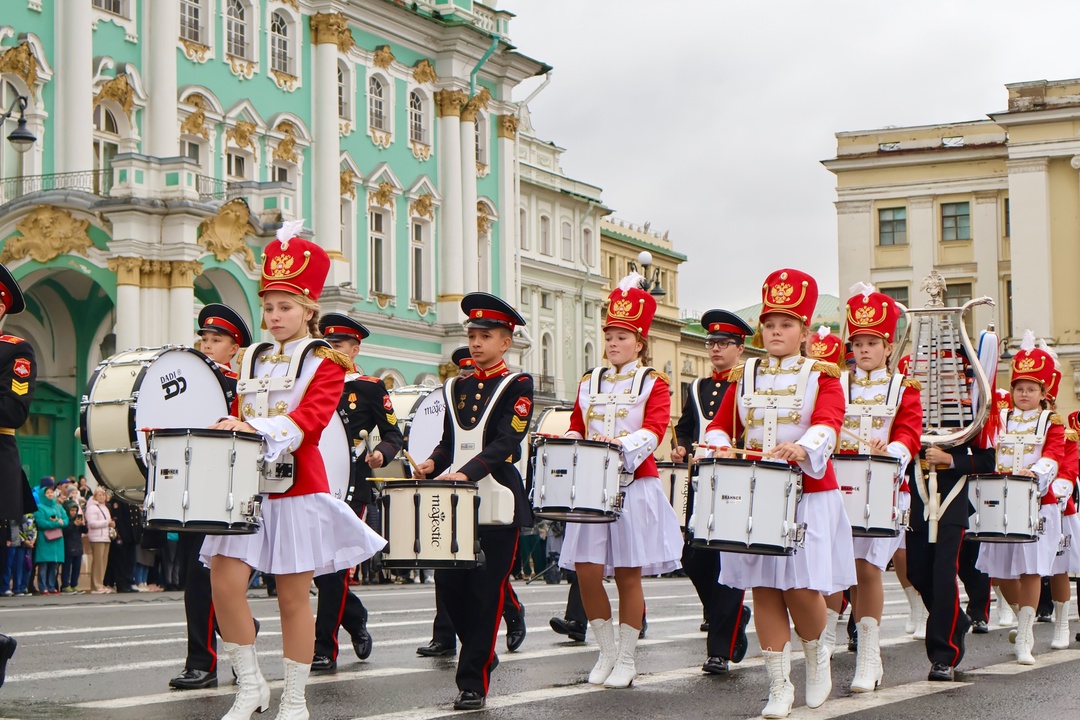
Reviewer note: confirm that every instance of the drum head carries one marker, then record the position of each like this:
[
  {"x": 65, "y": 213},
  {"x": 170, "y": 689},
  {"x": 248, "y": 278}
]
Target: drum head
[
  {"x": 554, "y": 421},
  {"x": 426, "y": 428},
  {"x": 404, "y": 402},
  {"x": 180, "y": 388},
  {"x": 337, "y": 456}
]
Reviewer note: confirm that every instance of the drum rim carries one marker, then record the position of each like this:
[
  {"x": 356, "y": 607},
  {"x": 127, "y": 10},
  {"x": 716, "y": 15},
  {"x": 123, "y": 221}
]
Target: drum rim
[
  {"x": 669, "y": 465},
  {"x": 1002, "y": 476},
  {"x": 425, "y": 483},
  {"x": 204, "y": 432},
  {"x": 742, "y": 462},
  {"x": 859, "y": 457},
  {"x": 543, "y": 440}
]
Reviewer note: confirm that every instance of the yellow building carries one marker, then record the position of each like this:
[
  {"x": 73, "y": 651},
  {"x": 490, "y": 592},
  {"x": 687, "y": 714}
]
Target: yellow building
[{"x": 993, "y": 205}]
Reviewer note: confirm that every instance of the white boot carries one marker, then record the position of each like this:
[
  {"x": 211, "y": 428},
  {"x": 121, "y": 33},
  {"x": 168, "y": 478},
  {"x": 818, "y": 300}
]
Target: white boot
[
  {"x": 781, "y": 691},
  {"x": 1061, "y": 626},
  {"x": 604, "y": 632},
  {"x": 293, "y": 703},
  {"x": 914, "y": 608},
  {"x": 625, "y": 670},
  {"x": 818, "y": 672},
  {"x": 1006, "y": 616},
  {"x": 868, "y": 668},
  {"x": 829, "y": 637},
  {"x": 1016, "y": 615},
  {"x": 254, "y": 693},
  {"x": 1025, "y": 636}
]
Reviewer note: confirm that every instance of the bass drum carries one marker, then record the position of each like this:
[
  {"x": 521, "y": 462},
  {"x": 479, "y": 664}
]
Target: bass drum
[
  {"x": 337, "y": 456},
  {"x": 426, "y": 426},
  {"x": 145, "y": 389},
  {"x": 405, "y": 401}
]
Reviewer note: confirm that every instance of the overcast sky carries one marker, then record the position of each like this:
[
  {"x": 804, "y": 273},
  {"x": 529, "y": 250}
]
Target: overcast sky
[{"x": 709, "y": 117}]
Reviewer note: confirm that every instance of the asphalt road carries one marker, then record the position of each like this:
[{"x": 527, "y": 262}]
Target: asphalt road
[{"x": 84, "y": 657}]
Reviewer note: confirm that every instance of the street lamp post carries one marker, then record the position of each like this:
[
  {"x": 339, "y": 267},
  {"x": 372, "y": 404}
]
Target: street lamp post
[
  {"x": 20, "y": 138},
  {"x": 652, "y": 286}
]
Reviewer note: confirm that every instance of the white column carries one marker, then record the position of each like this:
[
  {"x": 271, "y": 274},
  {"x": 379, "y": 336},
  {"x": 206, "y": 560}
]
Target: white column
[
  {"x": 855, "y": 242},
  {"x": 922, "y": 241},
  {"x": 326, "y": 147},
  {"x": 986, "y": 234},
  {"x": 509, "y": 282},
  {"x": 1029, "y": 206},
  {"x": 182, "y": 301},
  {"x": 128, "y": 321},
  {"x": 74, "y": 130},
  {"x": 557, "y": 346},
  {"x": 451, "y": 282},
  {"x": 162, "y": 123},
  {"x": 469, "y": 234}
]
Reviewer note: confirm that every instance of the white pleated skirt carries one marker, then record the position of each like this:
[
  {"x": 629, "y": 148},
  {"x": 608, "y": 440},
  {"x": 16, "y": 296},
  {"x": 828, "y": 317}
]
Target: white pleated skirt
[
  {"x": 879, "y": 551},
  {"x": 302, "y": 533},
  {"x": 1069, "y": 561},
  {"x": 646, "y": 535},
  {"x": 1008, "y": 561},
  {"x": 825, "y": 562}
]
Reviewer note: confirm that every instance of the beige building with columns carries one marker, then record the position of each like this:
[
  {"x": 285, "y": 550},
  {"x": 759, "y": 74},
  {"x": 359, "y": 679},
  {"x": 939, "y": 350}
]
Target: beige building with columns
[{"x": 993, "y": 205}]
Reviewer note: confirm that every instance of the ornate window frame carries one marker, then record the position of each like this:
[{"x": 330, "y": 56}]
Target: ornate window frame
[
  {"x": 424, "y": 201},
  {"x": 127, "y": 19},
  {"x": 243, "y": 65},
  {"x": 288, "y": 77},
  {"x": 346, "y": 96},
  {"x": 487, "y": 214},
  {"x": 203, "y": 49},
  {"x": 383, "y": 191},
  {"x": 29, "y": 71},
  {"x": 200, "y": 115},
  {"x": 352, "y": 195},
  {"x": 383, "y": 135},
  {"x": 243, "y": 131},
  {"x": 483, "y": 144},
  {"x": 421, "y": 119},
  {"x": 286, "y": 141}
]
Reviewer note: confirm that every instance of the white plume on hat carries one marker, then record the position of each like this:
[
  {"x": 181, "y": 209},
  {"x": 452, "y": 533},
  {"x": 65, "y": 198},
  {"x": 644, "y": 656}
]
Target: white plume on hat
[
  {"x": 1051, "y": 352},
  {"x": 823, "y": 332},
  {"x": 632, "y": 280},
  {"x": 861, "y": 288},
  {"x": 288, "y": 230},
  {"x": 1028, "y": 343}
]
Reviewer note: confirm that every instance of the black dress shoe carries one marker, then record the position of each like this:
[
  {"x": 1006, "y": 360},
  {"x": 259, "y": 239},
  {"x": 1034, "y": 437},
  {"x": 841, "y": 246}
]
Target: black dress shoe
[
  {"x": 644, "y": 627},
  {"x": 7, "y": 649},
  {"x": 715, "y": 666},
  {"x": 704, "y": 627},
  {"x": 436, "y": 649},
  {"x": 940, "y": 672},
  {"x": 321, "y": 663},
  {"x": 571, "y": 628},
  {"x": 853, "y": 641},
  {"x": 1044, "y": 619},
  {"x": 469, "y": 700},
  {"x": 194, "y": 680},
  {"x": 361, "y": 644},
  {"x": 515, "y": 636},
  {"x": 979, "y": 627},
  {"x": 494, "y": 664}
]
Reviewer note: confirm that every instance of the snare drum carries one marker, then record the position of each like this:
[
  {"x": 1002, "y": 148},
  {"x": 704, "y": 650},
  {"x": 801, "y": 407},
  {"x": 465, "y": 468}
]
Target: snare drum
[
  {"x": 870, "y": 486},
  {"x": 145, "y": 388},
  {"x": 747, "y": 506},
  {"x": 577, "y": 480},
  {"x": 676, "y": 482},
  {"x": 430, "y": 524},
  {"x": 204, "y": 481},
  {"x": 1006, "y": 508}
]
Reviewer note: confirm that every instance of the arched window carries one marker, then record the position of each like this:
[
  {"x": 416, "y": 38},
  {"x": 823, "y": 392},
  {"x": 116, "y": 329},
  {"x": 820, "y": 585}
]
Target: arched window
[
  {"x": 344, "y": 106},
  {"x": 547, "y": 358},
  {"x": 567, "y": 241},
  {"x": 191, "y": 22},
  {"x": 279, "y": 44},
  {"x": 106, "y": 145},
  {"x": 376, "y": 104},
  {"x": 236, "y": 29},
  {"x": 379, "y": 250},
  {"x": 545, "y": 236},
  {"x": 590, "y": 359},
  {"x": 586, "y": 246},
  {"x": 417, "y": 122},
  {"x": 523, "y": 229},
  {"x": 481, "y": 139}
]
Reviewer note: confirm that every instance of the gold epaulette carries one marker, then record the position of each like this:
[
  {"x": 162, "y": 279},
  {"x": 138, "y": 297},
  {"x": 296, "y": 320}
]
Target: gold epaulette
[
  {"x": 240, "y": 356},
  {"x": 735, "y": 374},
  {"x": 1055, "y": 419},
  {"x": 912, "y": 383},
  {"x": 660, "y": 375},
  {"x": 1071, "y": 435},
  {"x": 338, "y": 358},
  {"x": 586, "y": 376},
  {"x": 830, "y": 369}
]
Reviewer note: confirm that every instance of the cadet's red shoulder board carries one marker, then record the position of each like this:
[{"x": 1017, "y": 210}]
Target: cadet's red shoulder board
[{"x": 10, "y": 339}]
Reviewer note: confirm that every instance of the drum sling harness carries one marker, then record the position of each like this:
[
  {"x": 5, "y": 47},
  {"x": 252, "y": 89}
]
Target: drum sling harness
[
  {"x": 770, "y": 405},
  {"x": 1017, "y": 441},
  {"x": 866, "y": 414},
  {"x": 611, "y": 402}
]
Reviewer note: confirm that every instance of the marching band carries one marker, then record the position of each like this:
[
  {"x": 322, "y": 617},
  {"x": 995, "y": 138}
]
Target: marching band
[{"x": 801, "y": 475}]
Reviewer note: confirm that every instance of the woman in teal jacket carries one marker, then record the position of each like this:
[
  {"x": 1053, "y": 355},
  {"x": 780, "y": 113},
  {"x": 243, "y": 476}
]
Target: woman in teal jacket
[{"x": 49, "y": 552}]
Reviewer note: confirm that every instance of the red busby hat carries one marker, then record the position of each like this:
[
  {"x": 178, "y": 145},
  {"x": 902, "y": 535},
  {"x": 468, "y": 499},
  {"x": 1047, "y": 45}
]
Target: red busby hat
[
  {"x": 294, "y": 265},
  {"x": 871, "y": 313},
  {"x": 11, "y": 296},
  {"x": 484, "y": 310},
  {"x": 1004, "y": 399},
  {"x": 724, "y": 325},
  {"x": 223, "y": 319},
  {"x": 631, "y": 307},
  {"x": 339, "y": 326},
  {"x": 462, "y": 357},
  {"x": 826, "y": 346},
  {"x": 789, "y": 291},
  {"x": 849, "y": 354},
  {"x": 1032, "y": 363}
]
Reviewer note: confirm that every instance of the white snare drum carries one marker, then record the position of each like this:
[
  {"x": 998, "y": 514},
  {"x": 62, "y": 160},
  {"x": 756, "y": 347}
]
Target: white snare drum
[
  {"x": 1006, "y": 508},
  {"x": 145, "y": 388},
  {"x": 870, "y": 486},
  {"x": 430, "y": 524},
  {"x": 337, "y": 456},
  {"x": 577, "y": 480},
  {"x": 676, "y": 483},
  {"x": 747, "y": 506},
  {"x": 204, "y": 481}
]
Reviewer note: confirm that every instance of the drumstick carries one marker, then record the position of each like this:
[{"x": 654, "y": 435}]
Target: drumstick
[
  {"x": 737, "y": 451},
  {"x": 411, "y": 461}
]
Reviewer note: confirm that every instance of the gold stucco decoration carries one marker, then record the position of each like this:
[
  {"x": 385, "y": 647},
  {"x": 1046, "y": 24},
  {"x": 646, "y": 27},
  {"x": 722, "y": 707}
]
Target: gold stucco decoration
[
  {"x": 424, "y": 72},
  {"x": 294, "y": 4},
  {"x": 424, "y": 206},
  {"x": 195, "y": 123},
  {"x": 241, "y": 134},
  {"x": 118, "y": 90},
  {"x": 449, "y": 102},
  {"x": 475, "y": 104},
  {"x": 286, "y": 149},
  {"x": 383, "y": 196},
  {"x": 483, "y": 218},
  {"x": 127, "y": 270},
  {"x": 332, "y": 28},
  {"x": 20, "y": 62},
  {"x": 47, "y": 232},
  {"x": 195, "y": 51},
  {"x": 224, "y": 233},
  {"x": 347, "y": 181},
  {"x": 284, "y": 80},
  {"x": 384, "y": 57},
  {"x": 184, "y": 272},
  {"x": 508, "y": 126}
]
